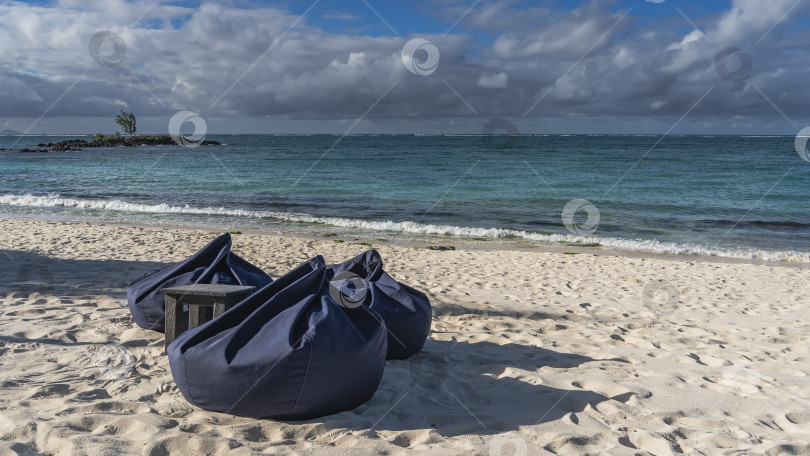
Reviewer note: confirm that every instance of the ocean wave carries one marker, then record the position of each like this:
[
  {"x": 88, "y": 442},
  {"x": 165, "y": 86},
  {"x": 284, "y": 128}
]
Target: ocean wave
[
  {"x": 405, "y": 227},
  {"x": 757, "y": 223}
]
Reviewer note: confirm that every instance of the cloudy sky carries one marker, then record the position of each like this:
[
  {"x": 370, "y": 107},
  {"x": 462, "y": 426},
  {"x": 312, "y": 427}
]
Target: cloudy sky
[{"x": 394, "y": 66}]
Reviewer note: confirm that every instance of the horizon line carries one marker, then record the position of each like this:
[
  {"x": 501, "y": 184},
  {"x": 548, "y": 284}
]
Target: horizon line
[{"x": 422, "y": 134}]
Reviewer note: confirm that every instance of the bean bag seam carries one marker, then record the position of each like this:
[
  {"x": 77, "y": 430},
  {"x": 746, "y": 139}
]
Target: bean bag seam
[{"x": 306, "y": 374}]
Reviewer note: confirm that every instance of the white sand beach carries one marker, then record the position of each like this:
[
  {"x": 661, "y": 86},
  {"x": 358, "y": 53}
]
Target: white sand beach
[{"x": 531, "y": 353}]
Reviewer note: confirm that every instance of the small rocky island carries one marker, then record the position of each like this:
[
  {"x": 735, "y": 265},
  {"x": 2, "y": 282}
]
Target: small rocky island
[
  {"x": 127, "y": 122},
  {"x": 108, "y": 141}
]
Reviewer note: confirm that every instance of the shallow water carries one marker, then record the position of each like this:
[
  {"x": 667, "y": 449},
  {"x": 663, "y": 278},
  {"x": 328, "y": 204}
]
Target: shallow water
[{"x": 734, "y": 196}]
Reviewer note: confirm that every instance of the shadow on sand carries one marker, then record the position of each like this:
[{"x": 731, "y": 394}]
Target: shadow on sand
[
  {"x": 31, "y": 272},
  {"x": 472, "y": 388}
]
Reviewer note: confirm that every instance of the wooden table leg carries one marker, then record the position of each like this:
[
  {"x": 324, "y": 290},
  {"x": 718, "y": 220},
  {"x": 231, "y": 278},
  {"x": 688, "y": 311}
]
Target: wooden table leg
[
  {"x": 196, "y": 316},
  {"x": 220, "y": 306},
  {"x": 173, "y": 322}
]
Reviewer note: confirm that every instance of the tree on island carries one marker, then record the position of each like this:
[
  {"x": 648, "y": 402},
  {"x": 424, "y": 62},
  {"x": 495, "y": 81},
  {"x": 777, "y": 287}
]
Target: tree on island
[{"x": 127, "y": 121}]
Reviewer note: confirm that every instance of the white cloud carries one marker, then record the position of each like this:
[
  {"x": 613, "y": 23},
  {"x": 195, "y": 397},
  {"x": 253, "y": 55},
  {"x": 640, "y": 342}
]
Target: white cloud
[
  {"x": 493, "y": 81},
  {"x": 338, "y": 16},
  {"x": 748, "y": 18},
  {"x": 219, "y": 50}
]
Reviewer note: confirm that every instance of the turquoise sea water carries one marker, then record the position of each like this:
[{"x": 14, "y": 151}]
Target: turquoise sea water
[{"x": 733, "y": 196}]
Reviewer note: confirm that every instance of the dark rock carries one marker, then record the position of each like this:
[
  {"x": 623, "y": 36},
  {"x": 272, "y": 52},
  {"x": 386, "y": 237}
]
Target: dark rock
[
  {"x": 78, "y": 144},
  {"x": 436, "y": 247}
]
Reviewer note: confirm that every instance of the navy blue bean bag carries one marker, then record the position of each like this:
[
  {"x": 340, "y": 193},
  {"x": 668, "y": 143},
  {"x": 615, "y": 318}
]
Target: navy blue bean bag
[
  {"x": 406, "y": 311},
  {"x": 214, "y": 263},
  {"x": 289, "y": 351}
]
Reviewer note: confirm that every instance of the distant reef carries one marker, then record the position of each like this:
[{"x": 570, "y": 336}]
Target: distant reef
[{"x": 108, "y": 141}]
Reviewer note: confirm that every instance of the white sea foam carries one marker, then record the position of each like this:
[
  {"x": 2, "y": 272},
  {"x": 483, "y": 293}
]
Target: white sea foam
[{"x": 405, "y": 227}]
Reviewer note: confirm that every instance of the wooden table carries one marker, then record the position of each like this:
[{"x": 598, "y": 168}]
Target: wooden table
[{"x": 198, "y": 298}]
